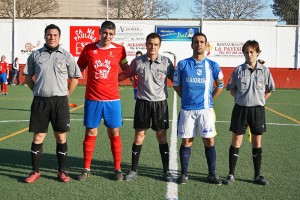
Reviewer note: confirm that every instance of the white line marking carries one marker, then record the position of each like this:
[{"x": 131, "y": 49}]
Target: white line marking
[{"x": 172, "y": 187}]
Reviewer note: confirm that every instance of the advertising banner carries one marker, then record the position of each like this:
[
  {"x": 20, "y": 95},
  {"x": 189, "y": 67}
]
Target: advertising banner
[
  {"x": 81, "y": 36},
  {"x": 174, "y": 33}
]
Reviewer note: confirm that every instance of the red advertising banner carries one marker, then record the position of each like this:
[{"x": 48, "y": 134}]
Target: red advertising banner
[{"x": 81, "y": 36}]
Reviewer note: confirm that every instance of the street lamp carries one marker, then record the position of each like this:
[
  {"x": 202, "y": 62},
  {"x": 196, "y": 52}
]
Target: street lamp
[
  {"x": 201, "y": 22},
  {"x": 13, "y": 33}
]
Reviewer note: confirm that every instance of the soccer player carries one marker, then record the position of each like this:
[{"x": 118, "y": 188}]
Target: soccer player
[
  {"x": 16, "y": 72},
  {"x": 251, "y": 83},
  {"x": 102, "y": 97},
  {"x": 134, "y": 80},
  {"x": 151, "y": 107},
  {"x": 4, "y": 74},
  {"x": 47, "y": 72},
  {"x": 193, "y": 82}
]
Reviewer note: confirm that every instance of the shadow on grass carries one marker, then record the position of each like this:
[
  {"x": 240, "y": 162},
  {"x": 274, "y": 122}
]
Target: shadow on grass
[{"x": 16, "y": 164}]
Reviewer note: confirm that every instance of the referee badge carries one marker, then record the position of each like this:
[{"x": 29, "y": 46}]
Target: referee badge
[{"x": 260, "y": 84}]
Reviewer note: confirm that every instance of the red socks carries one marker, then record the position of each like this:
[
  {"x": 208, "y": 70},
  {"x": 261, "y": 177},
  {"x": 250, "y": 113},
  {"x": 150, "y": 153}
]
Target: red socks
[
  {"x": 116, "y": 150},
  {"x": 88, "y": 149},
  {"x": 89, "y": 146},
  {"x": 3, "y": 87}
]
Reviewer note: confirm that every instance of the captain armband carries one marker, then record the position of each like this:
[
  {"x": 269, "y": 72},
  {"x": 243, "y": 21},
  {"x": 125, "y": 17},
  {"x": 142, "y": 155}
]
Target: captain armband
[
  {"x": 124, "y": 61},
  {"x": 220, "y": 83}
]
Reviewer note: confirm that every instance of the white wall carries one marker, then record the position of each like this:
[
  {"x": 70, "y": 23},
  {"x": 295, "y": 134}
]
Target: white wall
[{"x": 277, "y": 43}]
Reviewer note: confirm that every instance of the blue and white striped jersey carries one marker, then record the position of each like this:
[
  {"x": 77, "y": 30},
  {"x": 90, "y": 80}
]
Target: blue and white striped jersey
[{"x": 196, "y": 78}]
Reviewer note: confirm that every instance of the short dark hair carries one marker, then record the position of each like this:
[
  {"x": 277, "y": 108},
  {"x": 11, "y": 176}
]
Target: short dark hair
[
  {"x": 138, "y": 52},
  {"x": 154, "y": 35},
  {"x": 251, "y": 43},
  {"x": 199, "y": 34},
  {"x": 52, "y": 26},
  {"x": 108, "y": 25}
]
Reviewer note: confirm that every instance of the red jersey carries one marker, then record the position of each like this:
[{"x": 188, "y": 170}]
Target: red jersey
[
  {"x": 135, "y": 81},
  {"x": 103, "y": 68},
  {"x": 3, "y": 67}
]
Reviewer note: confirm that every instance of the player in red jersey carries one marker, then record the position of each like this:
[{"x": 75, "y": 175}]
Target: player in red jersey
[
  {"x": 134, "y": 79},
  {"x": 4, "y": 74},
  {"x": 102, "y": 97}
]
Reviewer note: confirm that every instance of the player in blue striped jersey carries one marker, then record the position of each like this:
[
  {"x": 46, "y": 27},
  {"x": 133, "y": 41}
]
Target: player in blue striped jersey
[{"x": 193, "y": 81}]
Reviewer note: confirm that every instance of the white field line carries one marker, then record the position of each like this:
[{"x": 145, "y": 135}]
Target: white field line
[{"x": 172, "y": 187}]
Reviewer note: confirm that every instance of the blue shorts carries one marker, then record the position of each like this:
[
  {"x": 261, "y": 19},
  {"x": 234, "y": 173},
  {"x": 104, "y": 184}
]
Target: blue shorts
[
  {"x": 110, "y": 111},
  {"x": 3, "y": 78}
]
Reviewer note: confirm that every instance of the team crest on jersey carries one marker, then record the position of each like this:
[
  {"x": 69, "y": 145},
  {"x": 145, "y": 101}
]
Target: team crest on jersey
[
  {"x": 111, "y": 54},
  {"x": 199, "y": 72},
  {"x": 102, "y": 69},
  {"x": 60, "y": 65},
  {"x": 95, "y": 52},
  {"x": 260, "y": 84}
]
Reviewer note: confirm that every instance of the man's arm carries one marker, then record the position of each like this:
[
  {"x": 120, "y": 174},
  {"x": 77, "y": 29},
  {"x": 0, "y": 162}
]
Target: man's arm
[
  {"x": 72, "y": 85},
  {"x": 216, "y": 92},
  {"x": 232, "y": 92},
  {"x": 127, "y": 71},
  {"x": 124, "y": 66},
  {"x": 122, "y": 76},
  {"x": 29, "y": 81},
  {"x": 178, "y": 90},
  {"x": 7, "y": 73},
  {"x": 267, "y": 94}
]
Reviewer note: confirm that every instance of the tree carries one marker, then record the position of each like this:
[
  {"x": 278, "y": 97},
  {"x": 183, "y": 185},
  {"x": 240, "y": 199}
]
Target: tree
[
  {"x": 229, "y": 9},
  {"x": 26, "y": 9},
  {"x": 140, "y": 9},
  {"x": 287, "y": 10}
]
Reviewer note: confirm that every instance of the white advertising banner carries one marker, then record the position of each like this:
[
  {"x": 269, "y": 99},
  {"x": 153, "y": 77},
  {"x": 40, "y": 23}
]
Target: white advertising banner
[{"x": 133, "y": 37}]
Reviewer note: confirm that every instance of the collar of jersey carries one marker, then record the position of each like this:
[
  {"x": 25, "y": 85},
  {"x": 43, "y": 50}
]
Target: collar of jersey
[
  {"x": 157, "y": 60},
  {"x": 259, "y": 66},
  {"x": 197, "y": 61},
  {"x": 60, "y": 49},
  {"x": 111, "y": 46}
]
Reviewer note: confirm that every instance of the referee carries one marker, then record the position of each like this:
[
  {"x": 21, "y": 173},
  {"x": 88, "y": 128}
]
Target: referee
[
  {"x": 251, "y": 83},
  {"x": 47, "y": 72}
]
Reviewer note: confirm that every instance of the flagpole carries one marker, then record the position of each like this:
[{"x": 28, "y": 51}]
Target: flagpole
[
  {"x": 201, "y": 22},
  {"x": 106, "y": 9},
  {"x": 13, "y": 33}
]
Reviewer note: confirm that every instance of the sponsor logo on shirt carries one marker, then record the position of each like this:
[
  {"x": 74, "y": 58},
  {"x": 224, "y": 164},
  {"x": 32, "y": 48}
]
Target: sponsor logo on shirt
[
  {"x": 102, "y": 69},
  {"x": 195, "y": 80}
]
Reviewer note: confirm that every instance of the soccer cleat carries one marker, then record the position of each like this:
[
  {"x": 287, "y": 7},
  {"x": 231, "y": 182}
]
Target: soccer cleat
[
  {"x": 130, "y": 175},
  {"x": 118, "y": 175},
  {"x": 83, "y": 175},
  {"x": 168, "y": 177},
  {"x": 33, "y": 176},
  {"x": 63, "y": 177},
  {"x": 260, "y": 180},
  {"x": 214, "y": 179},
  {"x": 229, "y": 180},
  {"x": 182, "y": 179},
  {"x": 5, "y": 93}
]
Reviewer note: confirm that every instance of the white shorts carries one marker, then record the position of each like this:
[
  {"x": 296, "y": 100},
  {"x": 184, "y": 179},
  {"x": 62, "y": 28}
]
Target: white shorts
[{"x": 191, "y": 122}]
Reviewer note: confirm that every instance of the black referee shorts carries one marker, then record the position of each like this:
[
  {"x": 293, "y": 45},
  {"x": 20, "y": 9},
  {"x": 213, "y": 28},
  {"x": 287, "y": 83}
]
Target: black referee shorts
[
  {"x": 147, "y": 111},
  {"x": 49, "y": 109},
  {"x": 243, "y": 116}
]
